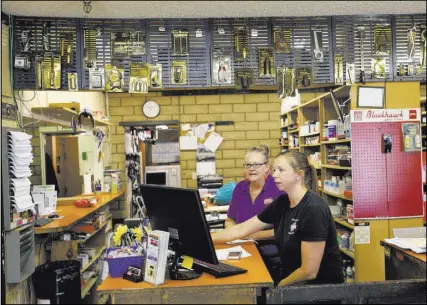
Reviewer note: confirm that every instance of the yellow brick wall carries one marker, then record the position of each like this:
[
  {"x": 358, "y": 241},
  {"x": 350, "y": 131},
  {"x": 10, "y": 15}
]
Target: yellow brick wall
[
  {"x": 255, "y": 116},
  {"x": 251, "y": 126}
]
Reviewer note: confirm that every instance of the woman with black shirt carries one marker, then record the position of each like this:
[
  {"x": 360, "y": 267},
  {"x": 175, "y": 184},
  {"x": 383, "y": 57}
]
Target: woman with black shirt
[{"x": 304, "y": 228}]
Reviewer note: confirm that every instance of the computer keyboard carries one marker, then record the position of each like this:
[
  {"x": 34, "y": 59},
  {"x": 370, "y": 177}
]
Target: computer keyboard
[
  {"x": 40, "y": 222},
  {"x": 220, "y": 270}
]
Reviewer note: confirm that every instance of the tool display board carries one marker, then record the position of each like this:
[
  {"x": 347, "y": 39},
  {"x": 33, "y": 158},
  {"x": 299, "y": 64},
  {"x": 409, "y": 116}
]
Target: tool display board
[
  {"x": 339, "y": 36},
  {"x": 385, "y": 185}
]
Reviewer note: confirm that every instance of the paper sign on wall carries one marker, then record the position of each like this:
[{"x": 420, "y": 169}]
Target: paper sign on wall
[
  {"x": 362, "y": 233},
  {"x": 188, "y": 142},
  {"x": 213, "y": 141},
  {"x": 185, "y": 127}
]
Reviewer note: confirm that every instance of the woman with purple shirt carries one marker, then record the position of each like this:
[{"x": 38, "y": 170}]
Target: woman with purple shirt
[{"x": 250, "y": 197}]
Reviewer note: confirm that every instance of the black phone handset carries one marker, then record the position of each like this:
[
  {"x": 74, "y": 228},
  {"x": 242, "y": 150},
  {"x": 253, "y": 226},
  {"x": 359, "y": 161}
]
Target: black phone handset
[{"x": 361, "y": 35}]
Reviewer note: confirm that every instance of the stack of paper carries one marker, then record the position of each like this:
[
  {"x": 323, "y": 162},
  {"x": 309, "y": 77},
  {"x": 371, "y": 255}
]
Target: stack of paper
[
  {"x": 19, "y": 154},
  {"x": 418, "y": 245},
  {"x": 156, "y": 260},
  {"x": 20, "y": 157}
]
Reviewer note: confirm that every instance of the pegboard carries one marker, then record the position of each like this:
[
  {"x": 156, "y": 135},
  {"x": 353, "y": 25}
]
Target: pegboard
[
  {"x": 59, "y": 27},
  {"x": 262, "y": 40},
  {"x": 339, "y": 36},
  {"x": 402, "y": 24},
  {"x": 103, "y": 45},
  {"x": 198, "y": 60},
  {"x": 369, "y": 169},
  {"x": 223, "y": 43},
  {"x": 404, "y": 177},
  {"x": 348, "y": 43},
  {"x": 384, "y": 185},
  {"x": 301, "y": 46}
]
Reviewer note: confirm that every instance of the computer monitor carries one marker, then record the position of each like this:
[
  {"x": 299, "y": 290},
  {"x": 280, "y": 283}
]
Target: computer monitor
[{"x": 180, "y": 212}]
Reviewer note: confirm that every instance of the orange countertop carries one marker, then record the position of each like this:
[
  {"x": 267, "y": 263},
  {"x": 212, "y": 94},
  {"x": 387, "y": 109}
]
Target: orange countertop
[
  {"x": 257, "y": 276},
  {"x": 419, "y": 256},
  {"x": 72, "y": 214}
]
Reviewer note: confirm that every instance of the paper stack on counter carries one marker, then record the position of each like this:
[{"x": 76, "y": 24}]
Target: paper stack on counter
[
  {"x": 418, "y": 245},
  {"x": 156, "y": 260},
  {"x": 20, "y": 157}
]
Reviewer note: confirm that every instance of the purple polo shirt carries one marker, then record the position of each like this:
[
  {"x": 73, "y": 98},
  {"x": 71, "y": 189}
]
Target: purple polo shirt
[{"x": 241, "y": 207}]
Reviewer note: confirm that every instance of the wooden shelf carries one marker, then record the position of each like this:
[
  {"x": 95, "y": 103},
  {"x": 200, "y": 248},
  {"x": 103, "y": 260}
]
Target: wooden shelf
[
  {"x": 337, "y": 141},
  {"x": 336, "y": 167},
  {"x": 344, "y": 223},
  {"x": 97, "y": 255},
  {"x": 347, "y": 252},
  {"x": 337, "y": 196},
  {"x": 89, "y": 284},
  {"x": 284, "y": 145},
  {"x": 310, "y": 145},
  {"x": 422, "y": 99},
  {"x": 311, "y": 134},
  {"x": 95, "y": 232},
  {"x": 294, "y": 148},
  {"x": 63, "y": 114},
  {"x": 293, "y": 130},
  {"x": 424, "y": 125},
  {"x": 103, "y": 299}
]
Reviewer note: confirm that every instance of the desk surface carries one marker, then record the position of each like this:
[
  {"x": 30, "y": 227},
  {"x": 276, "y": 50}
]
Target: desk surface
[
  {"x": 420, "y": 256},
  {"x": 72, "y": 214},
  {"x": 257, "y": 276}
]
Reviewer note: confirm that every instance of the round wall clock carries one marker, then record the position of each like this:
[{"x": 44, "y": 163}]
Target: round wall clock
[{"x": 151, "y": 109}]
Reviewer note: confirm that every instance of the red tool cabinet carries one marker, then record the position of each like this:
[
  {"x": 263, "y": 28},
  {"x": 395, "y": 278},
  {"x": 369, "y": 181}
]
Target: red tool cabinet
[{"x": 385, "y": 185}]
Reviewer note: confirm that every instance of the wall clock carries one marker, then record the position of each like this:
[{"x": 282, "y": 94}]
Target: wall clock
[{"x": 151, "y": 109}]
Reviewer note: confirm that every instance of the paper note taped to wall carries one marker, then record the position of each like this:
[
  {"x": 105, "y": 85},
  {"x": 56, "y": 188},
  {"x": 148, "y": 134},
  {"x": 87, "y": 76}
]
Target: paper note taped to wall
[
  {"x": 362, "y": 234},
  {"x": 187, "y": 142},
  {"x": 205, "y": 168},
  {"x": 213, "y": 141},
  {"x": 201, "y": 130},
  {"x": 185, "y": 127}
]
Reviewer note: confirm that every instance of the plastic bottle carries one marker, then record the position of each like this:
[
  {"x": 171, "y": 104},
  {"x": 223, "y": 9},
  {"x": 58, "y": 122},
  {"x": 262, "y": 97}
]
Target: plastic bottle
[
  {"x": 345, "y": 240},
  {"x": 351, "y": 242},
  {"x": 349, "y": 273}
]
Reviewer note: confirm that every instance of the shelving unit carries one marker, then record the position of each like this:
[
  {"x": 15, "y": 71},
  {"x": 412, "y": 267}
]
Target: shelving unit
[
  {"x": 344, "y": 223},
  {"x": 347, "y": 252},
  {"x": 336, "y": 141},
  {"x": 88, "y": 286},
  {"x": 336, "y": 167},
  {"x": 97, "y": 255},
  {"x": 56, "y": 115},
  {"x": 96, "y": 232},
  {"x": 336, "y": 195}
]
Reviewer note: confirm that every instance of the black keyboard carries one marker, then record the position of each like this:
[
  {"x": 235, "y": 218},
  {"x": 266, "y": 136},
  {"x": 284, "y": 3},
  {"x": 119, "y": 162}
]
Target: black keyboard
[
  {"x": 220, "y": 270},
  {"x": 40, "y": 222}
]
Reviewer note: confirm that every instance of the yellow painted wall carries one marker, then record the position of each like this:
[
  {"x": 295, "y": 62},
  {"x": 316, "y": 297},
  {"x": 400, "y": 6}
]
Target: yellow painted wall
[{"x": 397, "y": 94}]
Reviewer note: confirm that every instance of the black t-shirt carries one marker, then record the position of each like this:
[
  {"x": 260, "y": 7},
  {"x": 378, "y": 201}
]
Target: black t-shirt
[{"x": 310, "y": 220}]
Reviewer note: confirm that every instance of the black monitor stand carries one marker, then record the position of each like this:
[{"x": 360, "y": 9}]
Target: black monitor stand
[{"x": 174, "y": 272}]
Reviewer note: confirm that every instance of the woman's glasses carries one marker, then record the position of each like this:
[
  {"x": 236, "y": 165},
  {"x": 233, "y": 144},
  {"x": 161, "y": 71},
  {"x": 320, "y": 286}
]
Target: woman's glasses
[{"x": 254, "y": 165}]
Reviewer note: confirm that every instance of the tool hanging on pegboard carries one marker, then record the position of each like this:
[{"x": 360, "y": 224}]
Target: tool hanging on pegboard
[
  {"x": 89, "y": 46},
  {"x": 361, "y": 36},
  {"x": 22, "y": 59},
  {"x": 240, "y": 34},
  {"x": 51, "y": 68},
  {"x": 67, "y": 49}
]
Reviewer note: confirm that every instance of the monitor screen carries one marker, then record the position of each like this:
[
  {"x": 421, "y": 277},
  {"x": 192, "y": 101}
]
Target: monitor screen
[
  {"x": 180, "y": 212},
  {"x": 158, "y": 178}
]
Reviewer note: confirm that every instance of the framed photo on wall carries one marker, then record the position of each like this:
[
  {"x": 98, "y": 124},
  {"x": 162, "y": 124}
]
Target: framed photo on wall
[{"x": 370, "y": 97}]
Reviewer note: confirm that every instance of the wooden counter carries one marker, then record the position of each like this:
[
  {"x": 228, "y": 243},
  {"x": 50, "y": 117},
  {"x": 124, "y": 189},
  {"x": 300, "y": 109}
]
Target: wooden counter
[
  {"x": 403, "y": 264},
  {"x": 240, "y": 288},
  {"x": 72, "y": 215}
]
